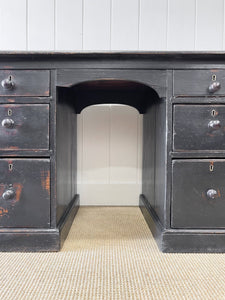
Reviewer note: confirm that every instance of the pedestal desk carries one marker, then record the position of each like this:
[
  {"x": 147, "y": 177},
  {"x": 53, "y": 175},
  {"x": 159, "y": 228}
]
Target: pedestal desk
[{"x": 182, "y": 99}]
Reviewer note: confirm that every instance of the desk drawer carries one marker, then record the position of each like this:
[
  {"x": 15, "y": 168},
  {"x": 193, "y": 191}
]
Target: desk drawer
[
  {"x": 198, "y": 193},
  {"x": 24, "y": 192},
  {"x": 199, "y": 127},
  {"x": 199, "y": 82},
  {"x": 24, "y": 83},
  {"x": 24, "y": 127}
]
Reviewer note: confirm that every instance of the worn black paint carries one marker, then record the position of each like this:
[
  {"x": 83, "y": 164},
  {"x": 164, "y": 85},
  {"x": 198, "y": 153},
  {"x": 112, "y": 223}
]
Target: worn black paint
[
  {"x": 191, "y": 128},
  {"x": 66, "y": 156},
  {"x": 30, "y": 129},
  {"x": 30, "y": 181},
  {"x": 191, "y": 181},
  {"x": 171, "y": 89},
  {"x": 26, "y": 83},
  {"x": 197, "y": 82}
]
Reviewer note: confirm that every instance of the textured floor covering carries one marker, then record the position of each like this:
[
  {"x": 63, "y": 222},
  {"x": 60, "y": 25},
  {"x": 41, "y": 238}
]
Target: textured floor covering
[{"x": 110, "y": 254}]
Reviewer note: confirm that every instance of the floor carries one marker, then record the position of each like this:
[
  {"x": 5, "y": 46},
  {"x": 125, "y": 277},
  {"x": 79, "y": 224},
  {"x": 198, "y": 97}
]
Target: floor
[{"x": 111, "y": 254}]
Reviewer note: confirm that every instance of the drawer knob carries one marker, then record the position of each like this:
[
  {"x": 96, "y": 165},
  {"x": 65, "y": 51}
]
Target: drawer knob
[
  {"x": 8, "y": 83},
  {"x": 9, "y": 194},
  {"x": 214, "y": 86},
  {"x": 211, "y": 193},
  {"x": 7, "y": 123},
  {"x": 214, "y": 124}
]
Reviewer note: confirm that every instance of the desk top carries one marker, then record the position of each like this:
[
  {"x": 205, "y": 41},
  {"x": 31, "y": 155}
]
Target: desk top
[
  {"x": 117, "y": 54},
  {"x": 112, "y": 59}
]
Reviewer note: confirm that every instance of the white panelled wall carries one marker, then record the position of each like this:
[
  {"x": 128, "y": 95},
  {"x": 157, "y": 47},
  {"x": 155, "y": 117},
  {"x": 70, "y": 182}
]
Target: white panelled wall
[
  {"x": 109, "y": 155},
  {"x": 109, "y": 137},
  {"x": 76, "y": 25}
]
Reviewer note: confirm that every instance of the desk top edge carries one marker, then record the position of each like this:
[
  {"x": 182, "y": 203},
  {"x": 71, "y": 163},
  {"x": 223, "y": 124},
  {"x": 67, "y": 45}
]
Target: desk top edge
[{"x": 115, "y": 54}]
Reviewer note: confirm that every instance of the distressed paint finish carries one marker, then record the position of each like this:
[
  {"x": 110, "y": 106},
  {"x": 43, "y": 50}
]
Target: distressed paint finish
[
  {"x": 30, "y": 129},
  {"x": 190, "y": 194},
  {"x": 30, "y": 204},
  {"x": 197, "y": 83},
  {"x": 26, "y": 83},
  {"x": 183, "y": 191},
  {"x": 192, "y": 130},
  {"x": 45, "y": 180}
]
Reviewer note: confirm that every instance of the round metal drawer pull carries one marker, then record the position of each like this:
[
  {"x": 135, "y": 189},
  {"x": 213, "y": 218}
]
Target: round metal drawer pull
[
  {"x": 214, "y": 87},
  {"x": 214, "y": 124},
  {"x": 7, "y": 123},
  {"x": 8, "y": 83},
  {"x": 211, "y": 193},
  {"x": 9, "y": 194}
]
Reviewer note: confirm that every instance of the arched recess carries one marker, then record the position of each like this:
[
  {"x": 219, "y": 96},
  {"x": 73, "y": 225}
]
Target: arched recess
[
  {"x": 109, "y": 91},
  {"x": 109, "y": 145},
  {"x": 73, "y": 96}
]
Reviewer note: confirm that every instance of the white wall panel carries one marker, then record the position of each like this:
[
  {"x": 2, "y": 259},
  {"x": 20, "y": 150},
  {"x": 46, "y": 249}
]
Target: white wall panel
[
  {"x": 209, "y": 25},
  {"x": 41, "y": 22},
  {"x": 123, "y": 144},
  {"x": 112, "y": 24},
  {"x": 181, "y": 25},
  {"x": 68, "y": 25},
  {"x": 96, "y": 145},
  {"x": 110, "y": 194},
  {"x": 96, "y": 24},
  {"x": 13, "y": 25},
  {"x": 124, "y": 24},
  {"x": 111, "y": 157},
  {"x": 153, "y": 25}
]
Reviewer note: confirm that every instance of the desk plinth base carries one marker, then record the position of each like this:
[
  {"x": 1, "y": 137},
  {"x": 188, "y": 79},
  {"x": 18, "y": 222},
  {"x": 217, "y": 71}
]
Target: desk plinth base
[
  {"x": 168, "y": 240},
  {"x": 39, "y": 240},
  {"x": 181, "y": 240}
]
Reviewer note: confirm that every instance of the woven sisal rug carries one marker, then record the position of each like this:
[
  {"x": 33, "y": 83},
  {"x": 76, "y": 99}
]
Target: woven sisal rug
[{"x": 110, "y": 254}]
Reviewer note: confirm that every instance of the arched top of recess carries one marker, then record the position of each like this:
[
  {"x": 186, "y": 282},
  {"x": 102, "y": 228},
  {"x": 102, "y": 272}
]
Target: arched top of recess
[{"x": 111, "y": 91}]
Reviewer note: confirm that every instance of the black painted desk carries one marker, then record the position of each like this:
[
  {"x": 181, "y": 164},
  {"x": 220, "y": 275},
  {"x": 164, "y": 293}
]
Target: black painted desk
[{"x": 182, "y": 97}]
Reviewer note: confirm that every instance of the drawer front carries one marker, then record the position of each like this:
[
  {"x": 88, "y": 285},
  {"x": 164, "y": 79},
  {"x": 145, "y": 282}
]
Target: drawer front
[
  {"x": 199, "y": 82},
  {"x": 24, "y": 193},
  {"x": 199, "y": 127},
  {"x": 24, "y": 127},
  {"x": 24, "y": 83},
  {"x": 198, "y": 194}
]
